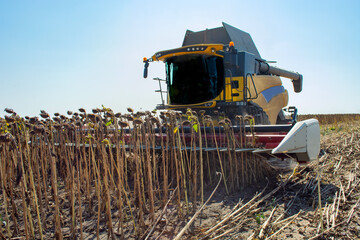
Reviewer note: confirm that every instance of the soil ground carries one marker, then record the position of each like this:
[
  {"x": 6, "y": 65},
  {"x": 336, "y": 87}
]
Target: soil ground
[{"x": 291, "y": 198}]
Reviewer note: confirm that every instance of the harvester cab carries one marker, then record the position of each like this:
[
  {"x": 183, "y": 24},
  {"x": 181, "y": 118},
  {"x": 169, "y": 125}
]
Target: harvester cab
[{"x": 220, "y": 70}]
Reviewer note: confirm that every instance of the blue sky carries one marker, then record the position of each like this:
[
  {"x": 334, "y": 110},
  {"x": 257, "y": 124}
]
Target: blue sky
[{"x": 63, "y": 55}]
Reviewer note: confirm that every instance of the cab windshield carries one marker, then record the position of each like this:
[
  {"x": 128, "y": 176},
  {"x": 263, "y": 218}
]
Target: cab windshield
[{"x": 194, "y": 78}]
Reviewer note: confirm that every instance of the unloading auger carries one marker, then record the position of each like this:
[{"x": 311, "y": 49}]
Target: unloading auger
[{"x": 220, "y": 73}]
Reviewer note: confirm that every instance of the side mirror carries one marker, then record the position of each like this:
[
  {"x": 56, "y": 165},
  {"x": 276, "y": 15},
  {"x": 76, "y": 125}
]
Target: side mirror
[{"x": 146, "y": 69}]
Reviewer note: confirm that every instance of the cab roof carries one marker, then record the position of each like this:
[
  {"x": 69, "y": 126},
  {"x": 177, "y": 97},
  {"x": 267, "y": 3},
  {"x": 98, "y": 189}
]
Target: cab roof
[{"x": 223, "y": 35}]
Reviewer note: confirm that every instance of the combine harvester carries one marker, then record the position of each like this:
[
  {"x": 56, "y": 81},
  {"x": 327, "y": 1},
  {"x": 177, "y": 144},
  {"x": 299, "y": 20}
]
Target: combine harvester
[{"x": 220, "y": 73}]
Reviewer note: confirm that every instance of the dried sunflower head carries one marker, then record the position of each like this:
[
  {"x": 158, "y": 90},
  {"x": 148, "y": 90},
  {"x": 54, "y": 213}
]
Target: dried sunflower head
[
  {"x": 9, "y": 110},
  {"x": 33, "y": 120},
  {"x": 17, "y": 118},
  {"x": 7, "y": 137},
  {"x": 138, "y": 121},
  {"x": 57, "y": 126},
  {"x": 38, "y": 129},
  {"x": 44, "y": 114},
  {"x": 207, "y": 120},
  {"x": 110, "y": 114},
  {"x": 154, "y": 120},
  {"x": 123, "y": 124},
  {"x": 228, "y": 121},
  {"x": 56, "y": 119},
  {"x": 248, "y": 117},
  {"x": 193, "y": 118},
  {"x": 186, "y": 123},
  {"x": 222, "y": 123},
  {"x": 10, "y": 119},
  {"x": 92, "y": 117}
]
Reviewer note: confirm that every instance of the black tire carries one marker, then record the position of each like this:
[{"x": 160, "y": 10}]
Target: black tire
[{"x": 258, "y": 113}]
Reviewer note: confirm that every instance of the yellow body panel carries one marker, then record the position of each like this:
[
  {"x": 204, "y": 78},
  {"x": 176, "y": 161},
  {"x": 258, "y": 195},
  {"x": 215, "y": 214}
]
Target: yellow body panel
[
  {"x": 231, "y": 93},
  {"x": 238, "y": 91},
  {"x": 262, "y": 82},
  {"x": 273, "y": 107}
]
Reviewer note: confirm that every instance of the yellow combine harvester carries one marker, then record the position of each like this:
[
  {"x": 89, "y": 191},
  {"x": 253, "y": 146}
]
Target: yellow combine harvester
[{"x": 221, "y": 71}]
